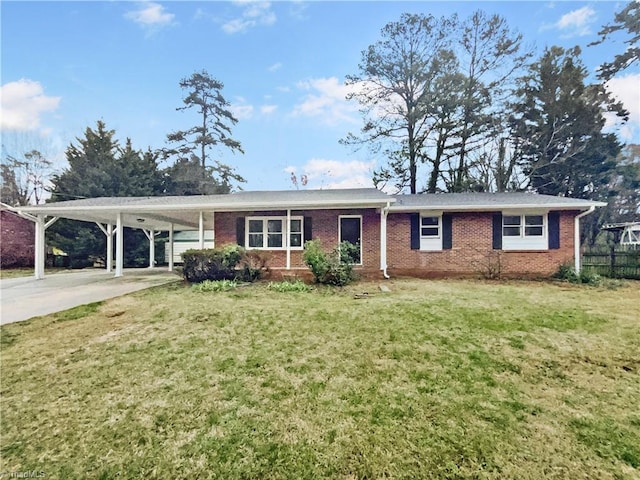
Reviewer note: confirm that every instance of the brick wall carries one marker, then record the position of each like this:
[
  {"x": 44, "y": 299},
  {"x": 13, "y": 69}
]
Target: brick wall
[
  {"x": 472, "y": 252},
  {"x": 325, "y": 229},
  {"x": 17, "y": 236}
]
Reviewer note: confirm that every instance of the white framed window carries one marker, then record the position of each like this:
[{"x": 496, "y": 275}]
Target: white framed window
[
  {"x": 524, "y": 231},
  {"x": 296, "y": 233},
  {"x": 270, "y": 233},
  {"x": 430, "y": 227},
  {"x": 430, "y": 231}
]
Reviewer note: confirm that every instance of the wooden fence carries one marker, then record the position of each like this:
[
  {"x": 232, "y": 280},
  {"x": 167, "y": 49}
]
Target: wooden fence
[{"x": 615, "y": 263}]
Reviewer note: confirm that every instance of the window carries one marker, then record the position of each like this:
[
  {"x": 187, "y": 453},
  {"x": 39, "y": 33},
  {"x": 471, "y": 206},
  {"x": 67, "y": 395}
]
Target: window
[
  {"x": 295, "y": 233},
  {"x": 269, "y": 233},
  {"x": 274, "y": 233},
  {"x": 428, "y": 232},
  {"x": 430, "y": 227},
  {"x": 524, "y": 231},
  {"x": 512, "y": 225}
]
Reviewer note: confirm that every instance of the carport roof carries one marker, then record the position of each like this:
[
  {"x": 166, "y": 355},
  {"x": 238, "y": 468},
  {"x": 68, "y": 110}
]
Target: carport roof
[{"x": 183, "y": 212}]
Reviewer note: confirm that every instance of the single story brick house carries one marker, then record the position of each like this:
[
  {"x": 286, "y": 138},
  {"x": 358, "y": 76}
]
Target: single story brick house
[{"x": 425, "y": 235}]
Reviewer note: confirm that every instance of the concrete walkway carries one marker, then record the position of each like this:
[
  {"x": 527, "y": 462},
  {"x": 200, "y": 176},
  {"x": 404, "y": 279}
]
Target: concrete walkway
[{"x": 23, "y": 298}]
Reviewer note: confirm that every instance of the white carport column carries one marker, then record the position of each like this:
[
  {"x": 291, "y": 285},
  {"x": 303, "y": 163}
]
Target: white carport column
[
  {"x": 151, "y": 235},
  {"x": 39, "y": 253},
  {"x": 119, "y": 246},
  {"x": 170, "y": 244},
  {"x": 109, "y": 234},
  {"x": 201, "y": 231},
  {"x": 109, "y": 247}
]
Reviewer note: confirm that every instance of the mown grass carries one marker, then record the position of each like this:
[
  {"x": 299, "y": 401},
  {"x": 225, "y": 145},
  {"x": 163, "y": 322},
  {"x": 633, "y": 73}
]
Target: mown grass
[{"x": 449, "y": 379}]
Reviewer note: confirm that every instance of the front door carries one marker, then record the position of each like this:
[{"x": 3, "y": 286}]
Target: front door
[{"x": 351, "y": 231}]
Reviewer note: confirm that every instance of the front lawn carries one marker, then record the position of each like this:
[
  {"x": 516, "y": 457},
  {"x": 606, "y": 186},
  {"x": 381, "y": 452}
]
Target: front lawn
[{"x": 434, "y": 379}]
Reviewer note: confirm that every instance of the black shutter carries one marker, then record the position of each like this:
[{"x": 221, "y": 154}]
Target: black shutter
[
  {"x": 554, "y": 230},
  {"x": 415, "y": 231},
  {"x": 240, "y": 231},
  {"x": 497, "y": 231},
  {"x": 308, "y": 229},
  {"x": 447, "y": 233}
]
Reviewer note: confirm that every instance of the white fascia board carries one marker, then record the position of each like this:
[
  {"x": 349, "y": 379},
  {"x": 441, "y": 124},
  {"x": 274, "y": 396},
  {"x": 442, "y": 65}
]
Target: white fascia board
[
  {"x": 493, "y": 208},
  {"x": 51, "y": 209}
]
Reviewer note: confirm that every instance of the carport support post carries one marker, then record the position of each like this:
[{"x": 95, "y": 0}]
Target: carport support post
[
  {"x": 201, "y": 231},
  {"x": 109, "y": 247},
  {"x": 109, "y": 234},
  {"x": 119, "y": 245},
  {"x": 171, "y": 247},
  {"x": 39, "y": 254},
  {"x": 151, "y": 235}
]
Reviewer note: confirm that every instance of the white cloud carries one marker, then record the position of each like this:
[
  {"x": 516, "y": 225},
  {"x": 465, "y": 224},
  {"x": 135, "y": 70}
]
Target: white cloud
[
  {"x": 326, "y": 100},
  {"x": 275, "y": 67},
  {"x": 242, "y": 112},
  {"x": 254, "y": 13},
  {"x": 150, "y": 15},
  {"x": 625, "y": 88},
  {"x": 268, "y": 109},
  {"x": 576, "y": 23},
  {"x": 323, "y": 173},
  {"x": 23, "y": 103}
]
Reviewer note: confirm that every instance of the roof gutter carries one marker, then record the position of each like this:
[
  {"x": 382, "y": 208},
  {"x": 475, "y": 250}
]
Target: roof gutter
[
  {"x": 576, "y": 236},
  {"x": 383, "y": 239},
  {"x": 490, "y": 208}
]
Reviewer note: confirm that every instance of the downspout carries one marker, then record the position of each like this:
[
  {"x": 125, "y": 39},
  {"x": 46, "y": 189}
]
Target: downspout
[
  {"x": 288, "y": 239},
  {"x": 383, "y": 240},
  {"x": 576, "y": 236}
]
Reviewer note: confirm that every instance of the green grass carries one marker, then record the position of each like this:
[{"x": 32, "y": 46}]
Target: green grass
[
  {"x": 289, "y": 286},
  {"x": 448, "y": 379},
  {"x": 214, "y": 286}
]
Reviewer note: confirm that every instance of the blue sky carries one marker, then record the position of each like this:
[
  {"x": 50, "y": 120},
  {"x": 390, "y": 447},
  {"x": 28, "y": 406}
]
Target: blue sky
[{"x": 66, "y": 65}]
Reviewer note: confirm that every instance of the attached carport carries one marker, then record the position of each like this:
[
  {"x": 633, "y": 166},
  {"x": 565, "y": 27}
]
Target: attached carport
[{"x": 150, "y": 214}]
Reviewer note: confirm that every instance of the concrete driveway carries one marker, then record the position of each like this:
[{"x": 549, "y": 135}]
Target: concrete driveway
[{"x": 23, "y": 298}]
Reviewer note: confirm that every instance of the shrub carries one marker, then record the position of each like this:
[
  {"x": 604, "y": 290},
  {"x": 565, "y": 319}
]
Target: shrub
[
  {"x": 286, "y": 286},
  {"x": 230, "y": 262},
  {"x": 335, "y": 268},
  {"x": 589, "y": 277},
  {"x": 568, "y": 273},
  {"x": 254, "y": 264},
  {"x": 215, "y": 286}
]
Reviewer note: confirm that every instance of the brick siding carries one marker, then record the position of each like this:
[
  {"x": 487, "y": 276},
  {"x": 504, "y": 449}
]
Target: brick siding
[
  {"x": 472, "y": 252},
  {"x": 17, "y": 237},
  {"x": 325, "y": 229}
]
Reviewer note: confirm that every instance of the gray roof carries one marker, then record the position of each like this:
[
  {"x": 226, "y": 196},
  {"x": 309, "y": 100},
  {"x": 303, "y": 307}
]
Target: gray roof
[
  {"x": 488, "y": 202},
  {"x": 184, "y": 212}
]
